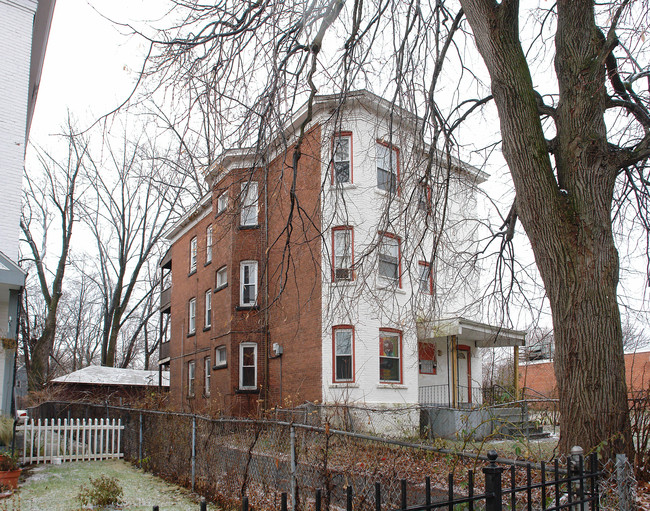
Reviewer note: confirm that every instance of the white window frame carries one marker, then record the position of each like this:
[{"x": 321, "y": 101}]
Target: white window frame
[
  {"x": 220, "y": 356},
  {"x": 193, "y": 251},
  {"x": 387, "y": 164},
  {"x": 387, "y": 243},
  {"x": 338, "y": 159},
  {"x": 395, "y": 357},
  {"x": 337, "y": 330},
  {"x": 222, "y": 278},
  {"x": 208, "y": 244},
  {"x": 208, "y": 308},
  {"x": 250, "y": 282},
  {"x": 425, "y": 277},
  {"x": 191, "y": 321},
  {"x": 207, "y": 374},
  {"x": 242, "y": 347},
  {"x": 249, "y": 201},
  {"x": 222, "y": 202},
  {"x": 191, "y": 377},
  {"x": 342, "y": 262}
]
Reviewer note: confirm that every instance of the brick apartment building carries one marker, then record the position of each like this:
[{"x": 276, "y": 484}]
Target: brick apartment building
[{"x": 336, "y": 283}]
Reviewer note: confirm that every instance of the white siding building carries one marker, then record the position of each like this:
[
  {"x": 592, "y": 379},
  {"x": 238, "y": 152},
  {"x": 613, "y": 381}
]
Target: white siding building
[{"x": 24, "y": 29}]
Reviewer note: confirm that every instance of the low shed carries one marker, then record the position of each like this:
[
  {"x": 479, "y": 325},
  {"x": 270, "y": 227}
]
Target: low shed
[{"x": 111, "y": 384}]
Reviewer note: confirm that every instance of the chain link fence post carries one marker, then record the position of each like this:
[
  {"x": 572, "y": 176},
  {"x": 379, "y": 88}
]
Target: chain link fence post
[
  {"x": 193, "y": 451},
  {"x": 140, "y": 442},
  {"x": 624, "y": 484},
  {"x": 294, "y": 486}
]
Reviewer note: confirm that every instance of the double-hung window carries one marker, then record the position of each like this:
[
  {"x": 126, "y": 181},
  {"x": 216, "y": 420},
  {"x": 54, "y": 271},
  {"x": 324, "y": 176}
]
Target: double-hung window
[
  {"x": 425, "y": 277},
  {"x": 208, "y": 308},
  {"x": 342, "y": 253},
  {"x": 193, "y": 254},
  {"x": 389, "y": 258},
  {"x": 342, "y": 158},
  {"x": 343, "y": 354},
  {"x": 207, "y": 371},
  {"x": 222, "y": 278},
  {"x": 390, "y": 352},
  {"x": 424, "y": 197},
  {"x": 191, "y": 321},
  {"x": 222, "y": 202},
  {"x": 248, "y": 204},
  {"x": 427, "y": 357},
  {"x": 387, "y": 167},
  {"x": 191, "y": 377},
  {"x": 248, "y": 366},
  {"x": 208, "y": 244},
  {"x": 248, "y": 284},
  {"x": 220, "y": 355}
]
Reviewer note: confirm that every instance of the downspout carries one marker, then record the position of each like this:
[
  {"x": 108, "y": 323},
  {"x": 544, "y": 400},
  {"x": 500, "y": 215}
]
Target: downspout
[{"x": 265, "y": 391}]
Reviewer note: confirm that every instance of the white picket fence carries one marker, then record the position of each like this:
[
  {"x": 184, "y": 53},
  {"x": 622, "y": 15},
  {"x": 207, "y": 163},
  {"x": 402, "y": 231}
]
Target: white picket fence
[{"x": 56, "y": 441}]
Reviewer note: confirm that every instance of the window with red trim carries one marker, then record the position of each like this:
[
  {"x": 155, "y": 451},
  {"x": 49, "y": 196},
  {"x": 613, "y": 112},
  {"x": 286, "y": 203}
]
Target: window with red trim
[
  {"x": 425, "y": 277},
  {"x": 342, "y": 253},
  {"x": 387, "y": 167},
  {"x": 342, "y": 158},
  {"x": 343, "y": 353},
  {"x": 390, "y": 356},
  {"x": 427, "y": 356},
  {"x": 390, "y": 258}
]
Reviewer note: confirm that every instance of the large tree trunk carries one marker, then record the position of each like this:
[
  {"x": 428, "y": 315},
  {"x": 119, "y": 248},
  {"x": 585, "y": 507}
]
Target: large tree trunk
[
  {"x": 566, "y": 215},
  {"x": 39, "y": 363}
]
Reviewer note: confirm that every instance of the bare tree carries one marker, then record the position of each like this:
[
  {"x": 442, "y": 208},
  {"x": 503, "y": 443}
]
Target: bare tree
[
  {"x": 135, "y": 197},
  {"x": 574, "y": 154},
  {"x": 50, "y": 205}
]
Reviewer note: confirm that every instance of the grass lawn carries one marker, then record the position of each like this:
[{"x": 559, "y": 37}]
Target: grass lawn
[{"x": 55, "y": 487}]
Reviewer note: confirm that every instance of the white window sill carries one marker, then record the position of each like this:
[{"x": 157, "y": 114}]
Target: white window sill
[
  {"x": 343, "y": 385},
  {"x": 391, "y": 386},
  {"x": 389, "y": 285},
  {"x": 342, "y": 186}
]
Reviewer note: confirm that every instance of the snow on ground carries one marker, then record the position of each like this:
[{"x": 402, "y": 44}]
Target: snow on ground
[{"x": 55, "y": 488}]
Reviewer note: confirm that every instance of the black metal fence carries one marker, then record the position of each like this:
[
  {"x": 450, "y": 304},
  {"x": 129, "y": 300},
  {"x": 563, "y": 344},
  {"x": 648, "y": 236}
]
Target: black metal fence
[{"x": 573, "y": 488}]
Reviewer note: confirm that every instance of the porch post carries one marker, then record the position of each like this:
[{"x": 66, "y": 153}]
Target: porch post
[
  {"x": 454, "y": 371},
  {"x": 516, "y": 372}
]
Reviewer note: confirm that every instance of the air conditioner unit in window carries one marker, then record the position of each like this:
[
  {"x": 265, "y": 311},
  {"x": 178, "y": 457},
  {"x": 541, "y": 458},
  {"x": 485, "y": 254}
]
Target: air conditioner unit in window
[{"x": 343, "y": 274}]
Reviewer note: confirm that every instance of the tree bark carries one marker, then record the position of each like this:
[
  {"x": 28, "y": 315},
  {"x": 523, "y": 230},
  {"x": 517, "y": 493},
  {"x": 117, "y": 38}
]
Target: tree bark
[{"x": 566, "y": 214}]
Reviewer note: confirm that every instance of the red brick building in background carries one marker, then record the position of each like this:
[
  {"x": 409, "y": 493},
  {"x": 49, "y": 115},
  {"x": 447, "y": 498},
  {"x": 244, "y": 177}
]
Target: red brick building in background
[{"x": 540, "y": 376}]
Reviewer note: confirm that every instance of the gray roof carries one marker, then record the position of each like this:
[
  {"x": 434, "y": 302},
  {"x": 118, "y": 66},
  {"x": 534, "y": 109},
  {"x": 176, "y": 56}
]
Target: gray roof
[{"x": 100, "y": 375}]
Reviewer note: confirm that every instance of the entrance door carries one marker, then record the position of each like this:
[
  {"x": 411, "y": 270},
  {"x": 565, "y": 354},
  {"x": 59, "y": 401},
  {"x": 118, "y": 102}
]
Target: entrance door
[{"x": 464, "y": 375}]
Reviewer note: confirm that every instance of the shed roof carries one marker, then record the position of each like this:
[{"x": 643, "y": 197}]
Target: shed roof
[{"x": 100, "y": 375}]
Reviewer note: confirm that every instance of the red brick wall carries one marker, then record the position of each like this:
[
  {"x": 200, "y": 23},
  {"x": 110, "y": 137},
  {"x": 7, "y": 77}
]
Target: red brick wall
[
  {"x": 294, "y": 292},
  {"x": 541, "y": 376}
]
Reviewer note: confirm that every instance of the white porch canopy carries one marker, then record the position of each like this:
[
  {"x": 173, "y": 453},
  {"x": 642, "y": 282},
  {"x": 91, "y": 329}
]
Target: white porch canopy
[{"x": 464, "y": 330}]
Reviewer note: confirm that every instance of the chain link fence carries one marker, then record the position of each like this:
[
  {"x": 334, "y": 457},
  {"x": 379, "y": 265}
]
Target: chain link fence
[{"x": 299, "y": 451}]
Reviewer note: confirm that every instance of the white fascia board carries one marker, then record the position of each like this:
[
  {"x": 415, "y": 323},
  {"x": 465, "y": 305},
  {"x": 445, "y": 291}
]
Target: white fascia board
[{"x": 189, "y": 219}]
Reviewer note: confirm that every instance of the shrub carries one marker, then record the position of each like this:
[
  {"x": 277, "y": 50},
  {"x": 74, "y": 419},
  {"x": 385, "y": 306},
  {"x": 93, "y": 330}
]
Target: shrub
[
  {"x": 6, "y": 430},
  {"x": 101, "y": 491},
  {"x": 9, "y": 462}
]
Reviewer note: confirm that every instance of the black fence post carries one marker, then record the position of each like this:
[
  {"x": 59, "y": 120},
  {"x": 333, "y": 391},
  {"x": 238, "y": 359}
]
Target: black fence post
[
  {"x": 156, "y": 508},
  {"x": 204, "y": 505},
  {"x": 244, "y": 504},
  {"x": 493, "y": 484},
  {"x": 348, "y": 505}
]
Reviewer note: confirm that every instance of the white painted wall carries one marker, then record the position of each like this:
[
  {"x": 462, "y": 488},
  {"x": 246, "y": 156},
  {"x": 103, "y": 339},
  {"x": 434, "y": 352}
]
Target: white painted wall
[
  {"x": 16, "y": 21},
  {"x": 369, "y": 303}
]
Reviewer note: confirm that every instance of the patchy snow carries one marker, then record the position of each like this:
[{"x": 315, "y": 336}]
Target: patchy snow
[
  {"x": 55, "y": 488},
  {"x": 114, "y": 376}
]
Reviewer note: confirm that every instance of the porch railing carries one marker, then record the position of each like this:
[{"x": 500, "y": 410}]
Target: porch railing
[{"x": 441, "y": 395}]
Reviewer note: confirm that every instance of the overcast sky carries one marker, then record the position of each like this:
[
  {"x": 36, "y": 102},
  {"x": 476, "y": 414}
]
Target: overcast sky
[{"x": 91, "y": 66}]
